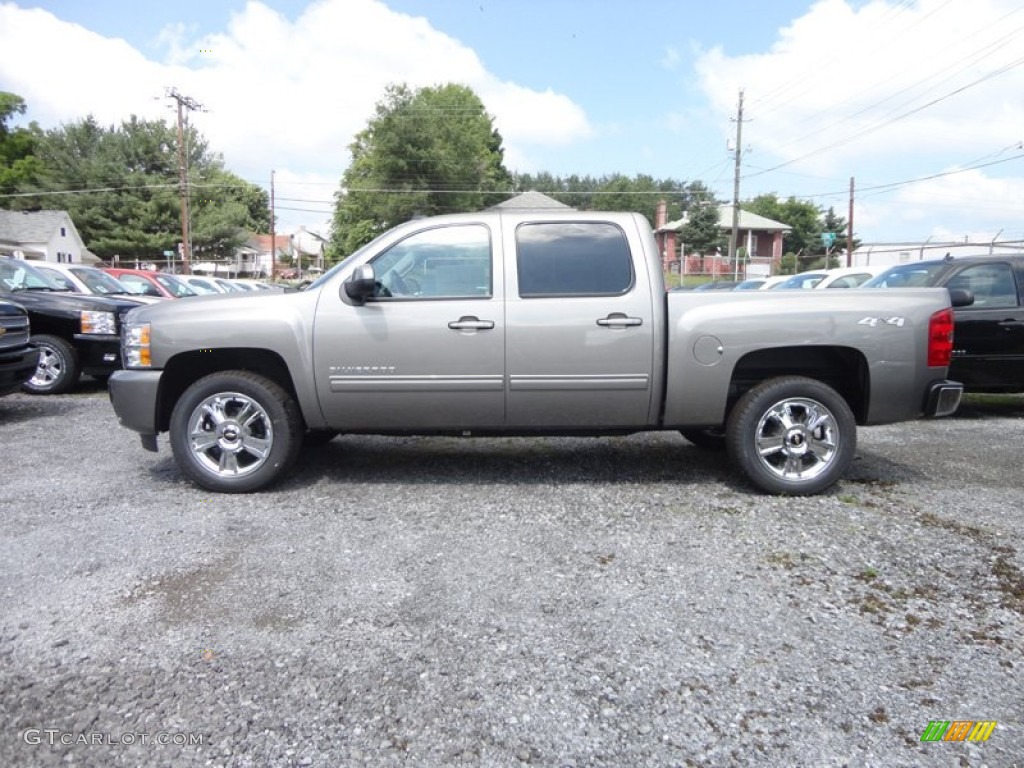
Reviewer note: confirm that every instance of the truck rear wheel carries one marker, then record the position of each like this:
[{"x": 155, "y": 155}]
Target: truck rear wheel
[
  {"x": 235, "y": 431},
  {"x": 59, "y": 368},
  {"x": 792, "y": 435}
]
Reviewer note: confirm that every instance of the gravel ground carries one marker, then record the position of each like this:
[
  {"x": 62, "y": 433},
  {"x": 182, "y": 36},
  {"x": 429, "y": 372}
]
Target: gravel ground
[{"x": 553, "y": 602}]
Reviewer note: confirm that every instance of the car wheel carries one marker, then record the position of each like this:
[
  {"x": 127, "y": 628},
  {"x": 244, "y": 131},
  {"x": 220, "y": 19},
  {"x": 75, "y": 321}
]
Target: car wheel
[
  {"x": 792, "y": 435},
  {"x": 709, "y": 439},
  {"x": 58, "y": 368},
  {"x": 235, "y": 431}
]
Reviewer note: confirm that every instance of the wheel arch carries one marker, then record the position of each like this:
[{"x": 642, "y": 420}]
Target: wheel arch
[
  {"x": 844, "y": 369},
  {"x": 182, "y": 370}
]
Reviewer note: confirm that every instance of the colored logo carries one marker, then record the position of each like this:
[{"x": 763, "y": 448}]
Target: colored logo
[{"x": 958, "y": 730}]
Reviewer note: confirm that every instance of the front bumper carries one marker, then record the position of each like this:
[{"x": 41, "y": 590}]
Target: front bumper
[
  {"x": 943, "y": 398},
  {"x": 17, "y": 367},
  {"x": 135, "y": 396},
  {"x": 100, "y": 354}
]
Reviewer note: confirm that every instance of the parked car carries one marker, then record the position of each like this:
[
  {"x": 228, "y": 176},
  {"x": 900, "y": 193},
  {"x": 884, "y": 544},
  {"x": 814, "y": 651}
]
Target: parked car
[
  {"x": 771, "y": 282},
  {"x": 151, "y": 283},
  {"x": 203, "y": 285},
  {"x": 76, "y": 333},
  {"x": 18, "y": 356},
  {"x": 848, "y": 277},
  {"x": 717, "y": 285},
  {"x": 988, "y": 336},
  {"x": 566, "y": 328},
  {"x": 81, "y": 278},
  {"x": 799, "y": 281},
  {"x": 751, "y": 284}
]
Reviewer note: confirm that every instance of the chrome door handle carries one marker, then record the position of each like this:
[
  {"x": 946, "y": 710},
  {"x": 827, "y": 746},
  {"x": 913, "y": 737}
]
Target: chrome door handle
[
  {"x": 470, "y": 323},
  {"x": 619, "y": 320}
]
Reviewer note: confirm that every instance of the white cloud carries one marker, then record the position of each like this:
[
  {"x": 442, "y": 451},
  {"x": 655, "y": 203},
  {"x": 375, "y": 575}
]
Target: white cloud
[
  {"x": 280, "y": 94},
  {"x": 884, "y": 91}
]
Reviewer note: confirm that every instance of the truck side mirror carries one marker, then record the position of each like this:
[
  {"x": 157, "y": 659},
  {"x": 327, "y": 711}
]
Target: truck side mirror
[
  {"x": 961, "y": 297},
  {"x": 362, "y": 284}
]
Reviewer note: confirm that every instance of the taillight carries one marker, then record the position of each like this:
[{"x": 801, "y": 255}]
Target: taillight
[{"x": 940, "y": 339}]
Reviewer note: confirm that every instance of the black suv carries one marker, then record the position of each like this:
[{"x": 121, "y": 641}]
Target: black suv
[
  {"x": 18, "y": 357},
  {"x": 75, "y": 333},
  {"x": 988, "y": 336}
]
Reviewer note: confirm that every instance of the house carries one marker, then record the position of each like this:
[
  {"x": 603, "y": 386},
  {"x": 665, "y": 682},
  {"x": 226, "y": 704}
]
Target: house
[
  {"x": 43, "y": 236},
  {"x": 760, "y": 237},
  {"x": 531, "y": 201}
]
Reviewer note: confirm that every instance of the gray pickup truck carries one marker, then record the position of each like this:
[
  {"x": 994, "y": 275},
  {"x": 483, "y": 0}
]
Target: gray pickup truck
[{"x": 526, "y": 323}]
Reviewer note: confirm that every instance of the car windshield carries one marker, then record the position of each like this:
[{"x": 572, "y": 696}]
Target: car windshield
[
  {"x": 17, "y": 275},
  {"x": 201, "y": 286},
  {"x": 175, "y": 286},
  {"x": 799, "y": 281},
  {"x": 100, "y": 282},
  {"x": 918, "y": 275}
]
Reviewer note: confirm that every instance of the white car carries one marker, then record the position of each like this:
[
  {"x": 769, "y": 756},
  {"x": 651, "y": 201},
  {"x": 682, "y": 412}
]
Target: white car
[
  {"x": 81, "y": 278},
  {"x": 204, "y": 285},
  {"x": 771, "y": 282},
  {"x": 848, "y": 277}
]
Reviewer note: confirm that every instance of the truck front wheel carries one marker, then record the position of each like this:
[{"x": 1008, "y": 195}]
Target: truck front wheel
[
  {"x": 59, "y": 368},
  {"x": 792, "y": 435},
  {"x": 235, "y": 431}
]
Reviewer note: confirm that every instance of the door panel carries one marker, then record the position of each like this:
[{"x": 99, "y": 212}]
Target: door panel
[
  {"x": 580, "y": 328},
  {"x": 428, "y": 353}
]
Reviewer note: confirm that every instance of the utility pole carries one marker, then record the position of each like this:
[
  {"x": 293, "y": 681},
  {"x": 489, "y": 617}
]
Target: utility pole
[
  {"x": 849, "y": 230},
  {"x": 734, "y": 234},
  {"x": 273, "y": 232},
  {"x": 184, "y": 102}
]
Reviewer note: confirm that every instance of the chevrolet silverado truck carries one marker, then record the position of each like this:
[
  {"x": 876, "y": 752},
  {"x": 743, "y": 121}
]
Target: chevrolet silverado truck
[{"x": 527, "y": 323}]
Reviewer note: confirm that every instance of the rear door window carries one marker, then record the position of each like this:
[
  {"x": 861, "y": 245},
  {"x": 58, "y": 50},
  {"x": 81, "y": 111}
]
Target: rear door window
[{"x": 573, "y": 259}]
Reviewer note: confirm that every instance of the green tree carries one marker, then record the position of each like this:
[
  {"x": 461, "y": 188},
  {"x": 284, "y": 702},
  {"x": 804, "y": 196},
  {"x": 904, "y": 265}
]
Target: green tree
[
  {"x": 424, "y": 152},
  {"x": 804, "y": 239},
  {"x": 120, "y": 186},
  {"x": 19, "y": 167},
  {"x": 702, "y": 233}
]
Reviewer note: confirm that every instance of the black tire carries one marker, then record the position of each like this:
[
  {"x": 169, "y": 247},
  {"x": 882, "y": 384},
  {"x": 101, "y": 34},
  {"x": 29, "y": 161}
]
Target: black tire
[
  {"x": 792, "y": 435},
  {"x": 250, "y": 429},
  {"x": 317, "y": 437},
  {"x": 708, "y": 439},
  {"x": 59, "y": 368}
]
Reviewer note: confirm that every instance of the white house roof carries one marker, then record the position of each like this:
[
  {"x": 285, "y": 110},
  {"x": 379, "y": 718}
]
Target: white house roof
[
  {"x": 747, "y": 220},
  {"x": 531, "y": 201},
  {"x": 31, "y": 226}
]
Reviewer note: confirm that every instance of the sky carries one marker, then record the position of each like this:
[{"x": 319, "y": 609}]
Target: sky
[{"x": 921, "y": 103}]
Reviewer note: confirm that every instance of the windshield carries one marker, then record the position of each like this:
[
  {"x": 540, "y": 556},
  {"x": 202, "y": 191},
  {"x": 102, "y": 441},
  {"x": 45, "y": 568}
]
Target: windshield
[
  {"x": 799, "y": 281},
  {"x": 341, "y": 264},
  {"x": 99, "y": 282},
  {"x": 917, "y": 275},
  {"x": 175, "y": 286},
  {"x": 17, "y": 275}
]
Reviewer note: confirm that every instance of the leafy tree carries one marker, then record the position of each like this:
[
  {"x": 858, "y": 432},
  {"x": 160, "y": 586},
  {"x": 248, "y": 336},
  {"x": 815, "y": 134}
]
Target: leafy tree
[
  {"x": 19, "y": 167},
  {"x": 702, "y": 233},
  {"x": 804, "y": 217},
  {"x": 124, "y": 189},
  {"x": 614, "y": 193},
  {"x": 424, "y": 152}
]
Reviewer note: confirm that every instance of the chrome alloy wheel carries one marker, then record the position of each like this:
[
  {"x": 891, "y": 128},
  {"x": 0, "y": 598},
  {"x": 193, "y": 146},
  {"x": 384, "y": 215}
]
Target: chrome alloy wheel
[
  {"x": 797, "y": 439},
  {"x": 230, "y": 434},
  {"x": 50, "y": 369}
]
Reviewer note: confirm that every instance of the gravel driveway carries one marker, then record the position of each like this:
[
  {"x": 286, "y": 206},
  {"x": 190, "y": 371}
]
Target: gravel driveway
[{"x": 554, "y": 602}]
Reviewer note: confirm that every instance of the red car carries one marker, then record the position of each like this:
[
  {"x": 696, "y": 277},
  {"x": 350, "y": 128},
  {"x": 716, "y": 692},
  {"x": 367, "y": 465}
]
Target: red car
[{"x": 147, "y": 283}]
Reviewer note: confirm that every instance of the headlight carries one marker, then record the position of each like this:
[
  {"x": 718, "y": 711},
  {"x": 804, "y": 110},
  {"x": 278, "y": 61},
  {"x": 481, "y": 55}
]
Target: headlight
[
  {"x": 135, "y": 346},
  {"x": 99, "y": 322}
]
